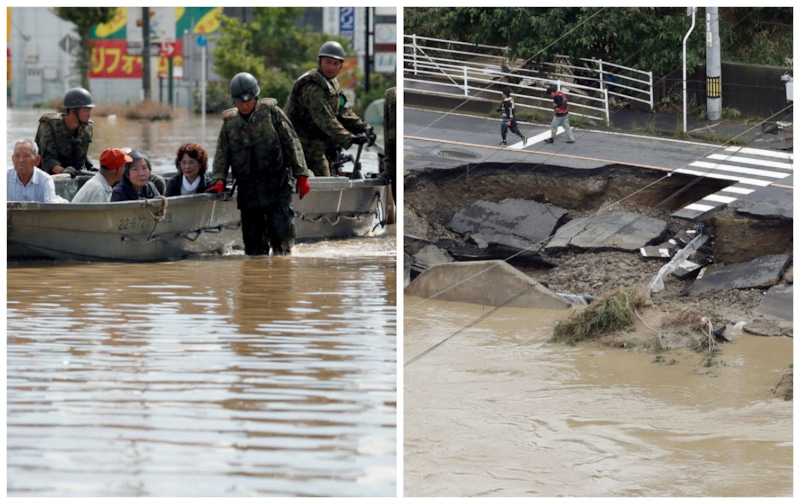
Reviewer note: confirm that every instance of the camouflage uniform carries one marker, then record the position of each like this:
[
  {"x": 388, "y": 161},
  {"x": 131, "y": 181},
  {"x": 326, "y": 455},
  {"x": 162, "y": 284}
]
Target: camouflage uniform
[
  {"x": 264, "y": 155},
  {"x": 390, "y": 136},
  {"x": 317, "y": 114},
  {"x": 60, "y": 147}
]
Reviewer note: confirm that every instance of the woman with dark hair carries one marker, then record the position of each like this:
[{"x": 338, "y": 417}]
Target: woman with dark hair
[
  {"x": 135, "y": 183},
  {"x": 192, "y": 163}
]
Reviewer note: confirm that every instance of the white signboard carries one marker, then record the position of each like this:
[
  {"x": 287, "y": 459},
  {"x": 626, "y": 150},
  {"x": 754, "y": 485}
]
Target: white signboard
[{"x": 162, "y": 28}]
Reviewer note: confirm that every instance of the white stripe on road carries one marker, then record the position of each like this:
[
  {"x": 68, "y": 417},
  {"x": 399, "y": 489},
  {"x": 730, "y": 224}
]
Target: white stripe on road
[
  {"x": 761, "y": 152},
  {"x": 737, "y": 190},
  {"x": 698, "y": 207},
  {"x": 753, "y": 161},
  {"x": 739, "y": 169},
  {"x": 748, "y": 181},
  {"x": 719, "y": 198}
]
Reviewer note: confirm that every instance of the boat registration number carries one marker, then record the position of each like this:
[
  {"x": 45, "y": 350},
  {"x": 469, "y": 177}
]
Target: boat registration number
[{"x": 139, "y": 223}]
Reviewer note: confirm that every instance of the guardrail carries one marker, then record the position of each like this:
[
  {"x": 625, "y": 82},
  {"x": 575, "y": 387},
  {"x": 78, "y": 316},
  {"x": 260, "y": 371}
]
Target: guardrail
[{"x": 477, "y": 72}]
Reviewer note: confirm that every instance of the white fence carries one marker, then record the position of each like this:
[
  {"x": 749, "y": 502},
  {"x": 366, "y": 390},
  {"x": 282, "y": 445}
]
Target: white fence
[{"x": 475, "y": 72}]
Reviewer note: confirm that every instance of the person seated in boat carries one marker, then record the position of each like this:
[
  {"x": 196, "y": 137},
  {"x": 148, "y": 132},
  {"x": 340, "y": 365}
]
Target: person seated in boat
[
  {"x": 135, "y": 183},
  {"x": 26, "y": 182},
  {"x": 98, "y": 188},
  {"x": 157, "y": 180},
  {"x": 192, "y": 164},
  {"x": 64, "y": 138}
]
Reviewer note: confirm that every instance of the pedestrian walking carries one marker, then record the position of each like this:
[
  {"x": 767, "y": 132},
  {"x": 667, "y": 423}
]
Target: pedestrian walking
[
  {"x": 561, "y": 117},
  {"x": 509, "y": 118},
  {"x": 258, "y": 143}
]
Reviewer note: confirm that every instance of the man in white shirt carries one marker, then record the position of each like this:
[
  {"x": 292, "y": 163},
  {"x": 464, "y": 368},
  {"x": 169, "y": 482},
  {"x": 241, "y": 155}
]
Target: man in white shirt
[
  {"x": 98, "y": 188},
  {"x": 26, "y": 182}
]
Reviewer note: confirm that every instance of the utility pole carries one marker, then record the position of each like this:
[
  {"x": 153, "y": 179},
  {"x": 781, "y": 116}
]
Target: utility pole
[
  {"x": 146, "y": 52},
  {"x": 367, "y": 46},
  {"x": 690, "y": 11},
  {"x": 713, "y": 65}
]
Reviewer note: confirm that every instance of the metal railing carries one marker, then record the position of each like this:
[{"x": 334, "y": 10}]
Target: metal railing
[{"x": 477, "y": 72}]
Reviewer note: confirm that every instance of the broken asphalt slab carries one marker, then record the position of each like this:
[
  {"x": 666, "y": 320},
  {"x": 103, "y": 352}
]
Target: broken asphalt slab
[
  {"x": 759, "y": 273},
  {"x": 518, "y": 223},
  {"x": 626, "y": 231}
]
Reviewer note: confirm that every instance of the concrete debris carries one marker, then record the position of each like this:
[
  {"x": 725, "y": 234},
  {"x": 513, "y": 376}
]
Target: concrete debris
[
  {"x": 626, "y": 231},
  {"x": 678, "y": 261},
  {"x": 494, "y": 283},
  {"x": 518, "y": 223},
  {"x": 762, "y": 272}
]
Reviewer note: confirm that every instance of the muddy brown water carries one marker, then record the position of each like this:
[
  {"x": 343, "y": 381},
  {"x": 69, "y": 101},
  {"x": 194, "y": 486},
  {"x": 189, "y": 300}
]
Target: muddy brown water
[
  {"x": 497, "y": 411},
  {"x": 212, "y": 377}
]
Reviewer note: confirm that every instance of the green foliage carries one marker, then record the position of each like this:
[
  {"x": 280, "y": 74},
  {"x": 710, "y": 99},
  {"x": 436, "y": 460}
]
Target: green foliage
[
  {"x": 84, "y": 18},
  {"x": 760, "y": 35},
  {"x": 378, "y": 84},
  {"x": 276, "y": 52},
  {"x": 645, "y": 38},
  {"x": 270, "y": 43},
  {"x": 612, "y": 314}
]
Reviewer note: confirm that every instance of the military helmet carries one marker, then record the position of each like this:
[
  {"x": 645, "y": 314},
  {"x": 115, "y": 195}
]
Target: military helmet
[
  {"x": 244, "y": 87},
  {"x": 77, "y": 98},
  {"x": 332, "y": 49}
]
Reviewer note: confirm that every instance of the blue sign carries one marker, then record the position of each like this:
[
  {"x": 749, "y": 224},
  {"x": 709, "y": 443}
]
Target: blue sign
[
  {"x": 202, "y": 40},
  {"x": 347, "y": 22}
]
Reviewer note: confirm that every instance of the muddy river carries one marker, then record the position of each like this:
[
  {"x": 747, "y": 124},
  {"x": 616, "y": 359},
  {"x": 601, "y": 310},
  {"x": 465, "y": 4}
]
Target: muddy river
[
  {"x": 497, "y": 411},
  {"x": 224, "y": 376}
]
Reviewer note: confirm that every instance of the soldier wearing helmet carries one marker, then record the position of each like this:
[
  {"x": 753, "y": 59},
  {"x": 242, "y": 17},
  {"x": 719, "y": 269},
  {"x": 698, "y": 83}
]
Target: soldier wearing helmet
[
  {"x": 64, "y": 137},
  {"x": 259, "y": 145},
  {"x": 318, "y": 109}
]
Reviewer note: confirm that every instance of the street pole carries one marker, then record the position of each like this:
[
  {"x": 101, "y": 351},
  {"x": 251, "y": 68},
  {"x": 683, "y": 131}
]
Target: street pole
[
  {"x": 146, "y": 52},
  {"x": 713, "y": 65},
  {"x": 203, "y": 83},
  {"x": 693, "y": 12},
  {"x": 366, "y": 51}
]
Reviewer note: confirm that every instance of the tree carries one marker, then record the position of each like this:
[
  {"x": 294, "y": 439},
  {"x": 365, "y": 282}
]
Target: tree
[
  {"x": 84, "y": 18},
  {"x": 272, "y": 48},
  {"x": 646, "y": 38}
]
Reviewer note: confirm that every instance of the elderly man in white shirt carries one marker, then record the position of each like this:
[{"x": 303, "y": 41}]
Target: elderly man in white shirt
[
  {"x": 98, "y": 188},
  {"x": 26, "y": 182}
]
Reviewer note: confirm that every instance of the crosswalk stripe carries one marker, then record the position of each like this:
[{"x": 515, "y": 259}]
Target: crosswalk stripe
[
  {"x": 719, "y": 198},
  {"x": 739, "y": 169},
  {"x": 737, "y": 190},
  {"x": 743, "y": 180},
  {"x": 753, "y": 161},
  {"x": 697, "y": 207},
  {"x": 762, "y": 152}
]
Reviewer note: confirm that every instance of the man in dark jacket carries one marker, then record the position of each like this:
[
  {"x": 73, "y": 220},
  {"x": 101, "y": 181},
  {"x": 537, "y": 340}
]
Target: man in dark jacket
[
  {"x": 318, "y": 110},
  {"x": 258, "y": 143}
]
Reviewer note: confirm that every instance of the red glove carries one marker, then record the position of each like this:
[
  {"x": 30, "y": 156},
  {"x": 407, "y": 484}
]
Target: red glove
[
  {"x": 302, "y": 185},
  {"x": 218, "y": 188}
]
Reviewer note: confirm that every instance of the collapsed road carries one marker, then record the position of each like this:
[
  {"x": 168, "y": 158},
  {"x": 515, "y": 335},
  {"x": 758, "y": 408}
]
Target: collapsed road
[{"x": 612, "y": 208}]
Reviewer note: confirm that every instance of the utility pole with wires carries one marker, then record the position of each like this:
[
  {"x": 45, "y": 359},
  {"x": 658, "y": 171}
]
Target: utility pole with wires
[{"x": 713, "y": 66}]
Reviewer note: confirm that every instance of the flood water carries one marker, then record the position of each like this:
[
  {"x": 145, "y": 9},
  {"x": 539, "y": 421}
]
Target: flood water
[
  {"x": 221, "y": 376},
  {"x": 225, "y": 376},
  {"x": 496, "y": 411}
]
